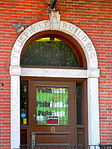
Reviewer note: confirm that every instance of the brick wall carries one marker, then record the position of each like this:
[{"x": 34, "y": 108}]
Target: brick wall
[{"x": 92, "y": 16}]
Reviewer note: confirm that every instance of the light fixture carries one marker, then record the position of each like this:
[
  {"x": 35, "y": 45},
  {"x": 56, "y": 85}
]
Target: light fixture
[
  {"x": 19, "y": 27},
  {"x": 52, "y": 38}
]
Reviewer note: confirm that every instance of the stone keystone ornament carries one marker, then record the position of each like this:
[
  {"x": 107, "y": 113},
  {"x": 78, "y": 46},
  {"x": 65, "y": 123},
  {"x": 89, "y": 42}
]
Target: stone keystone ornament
[{"x": 54, "y": 18}]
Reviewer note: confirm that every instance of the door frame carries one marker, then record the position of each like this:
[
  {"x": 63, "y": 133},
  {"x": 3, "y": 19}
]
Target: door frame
[{"x": 91, "y": 74}]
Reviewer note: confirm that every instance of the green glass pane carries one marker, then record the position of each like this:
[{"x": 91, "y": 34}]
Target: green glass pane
[
  {"x": 49, "y": 53},
  {"x": 51, "y": 106}
]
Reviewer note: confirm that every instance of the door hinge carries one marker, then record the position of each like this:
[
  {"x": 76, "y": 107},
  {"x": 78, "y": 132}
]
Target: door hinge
[{"x": 33, "y": 139}]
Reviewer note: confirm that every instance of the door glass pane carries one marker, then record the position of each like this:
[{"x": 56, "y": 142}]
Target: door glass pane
[
  {"x": 51, "y": 106},
  {"x": 24, "y": 102},
  {"x": 79, "y": 103}
]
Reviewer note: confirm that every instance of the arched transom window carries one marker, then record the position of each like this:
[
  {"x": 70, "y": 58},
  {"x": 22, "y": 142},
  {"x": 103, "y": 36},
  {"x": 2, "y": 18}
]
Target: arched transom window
[{"x": 49, "y": 52}]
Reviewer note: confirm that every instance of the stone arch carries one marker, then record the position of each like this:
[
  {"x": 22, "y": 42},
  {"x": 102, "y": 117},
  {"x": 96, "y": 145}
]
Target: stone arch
[
  {"x": 79, "y": 35},
  {"x": 91, "y": 74}
]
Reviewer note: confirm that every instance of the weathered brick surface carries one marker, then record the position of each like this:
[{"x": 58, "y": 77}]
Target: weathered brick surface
[{"x": 92, "y": 16}]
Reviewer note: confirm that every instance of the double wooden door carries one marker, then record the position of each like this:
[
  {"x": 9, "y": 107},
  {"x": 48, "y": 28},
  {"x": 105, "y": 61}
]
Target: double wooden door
[{"x": 52, "y": 113}]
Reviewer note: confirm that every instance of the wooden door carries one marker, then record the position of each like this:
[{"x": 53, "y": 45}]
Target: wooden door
[{"x": 52, "y": 113}]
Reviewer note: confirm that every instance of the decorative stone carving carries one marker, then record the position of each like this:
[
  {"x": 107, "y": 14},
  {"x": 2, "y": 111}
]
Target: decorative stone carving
[{"x": 54, "y": 18}]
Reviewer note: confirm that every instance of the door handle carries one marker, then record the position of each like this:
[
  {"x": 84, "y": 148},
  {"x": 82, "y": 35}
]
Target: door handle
[
  {"x": 33, "y": 140},
  {"x": 34, "y": 115}
]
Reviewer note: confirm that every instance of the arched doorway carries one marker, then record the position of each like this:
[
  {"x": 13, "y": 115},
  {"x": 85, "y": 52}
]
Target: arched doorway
[
  {"x": 87, "y": 57},
  {"x": 55, "y": 101}
]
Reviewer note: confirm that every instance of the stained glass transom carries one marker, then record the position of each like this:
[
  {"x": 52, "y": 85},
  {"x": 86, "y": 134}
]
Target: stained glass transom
[{"x": 47, "y": 52}]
